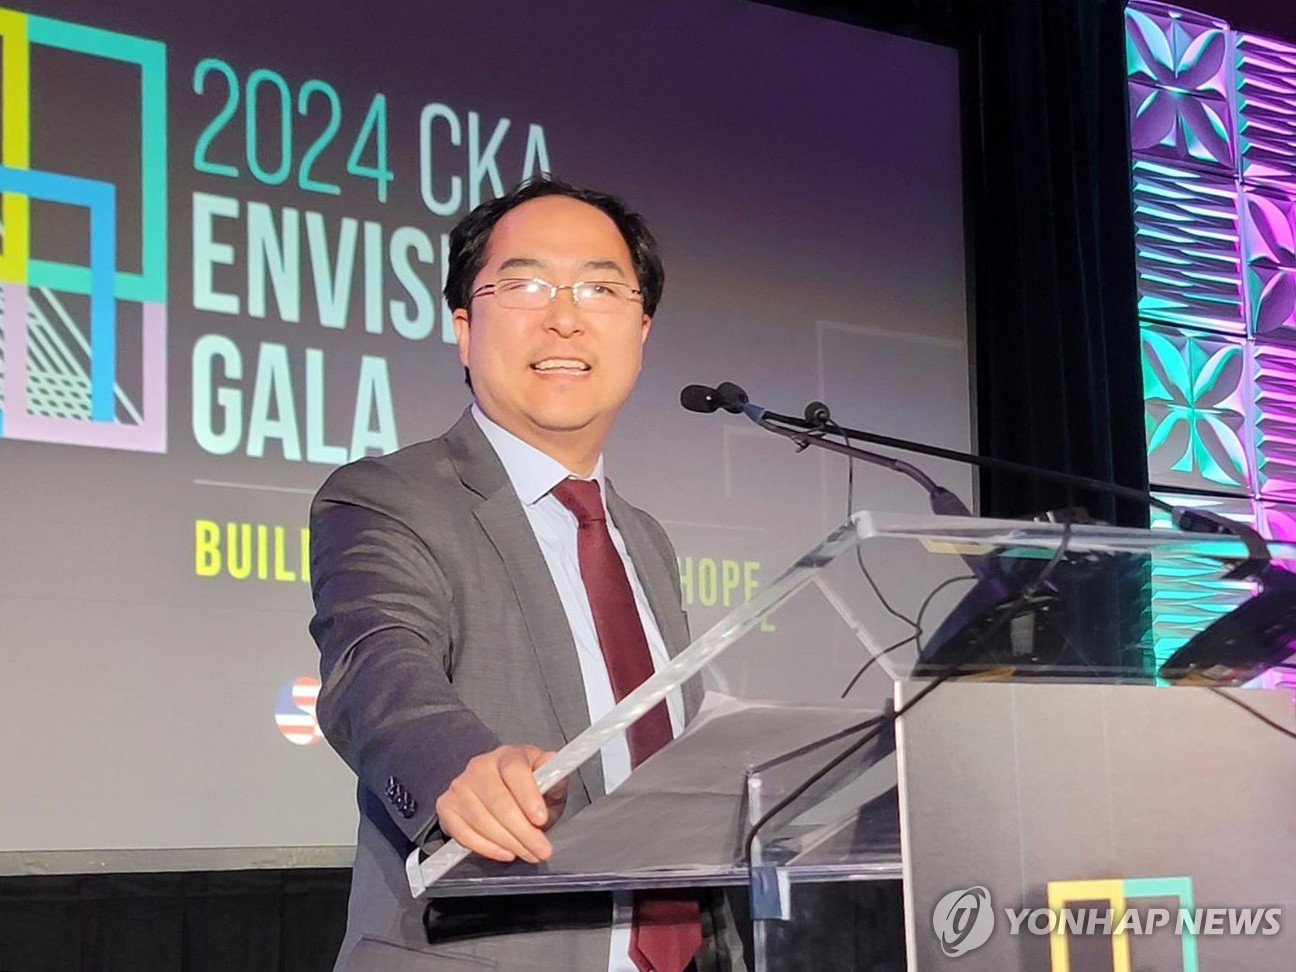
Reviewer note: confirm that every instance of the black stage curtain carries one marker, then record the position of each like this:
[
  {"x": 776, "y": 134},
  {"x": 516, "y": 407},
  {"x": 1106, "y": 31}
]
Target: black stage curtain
[
  {"x": 229, "y": 921},
  {"x": 1058, "y": 368},
  {"x": 293, "y": 920},
  {"x": 1057, "y": 373}
]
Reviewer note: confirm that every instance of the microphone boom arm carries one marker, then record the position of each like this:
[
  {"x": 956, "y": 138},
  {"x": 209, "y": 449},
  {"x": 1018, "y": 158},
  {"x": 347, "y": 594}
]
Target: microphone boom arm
[
  {"x": 986, "y": 462},
  {"x": 807, "y": 436},
  {"x": 1185, "y": 518},
  {"x": 813, "y": 429}
]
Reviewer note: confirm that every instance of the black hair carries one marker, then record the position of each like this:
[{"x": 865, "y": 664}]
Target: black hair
[{"x": 469, "y": 238}]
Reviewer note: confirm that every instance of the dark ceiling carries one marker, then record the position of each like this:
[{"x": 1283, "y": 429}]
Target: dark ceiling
[{"x": 1276, "y": 18}]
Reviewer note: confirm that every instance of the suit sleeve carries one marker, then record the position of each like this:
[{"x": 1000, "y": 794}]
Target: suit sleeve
[{"x": 382, "y": 625}]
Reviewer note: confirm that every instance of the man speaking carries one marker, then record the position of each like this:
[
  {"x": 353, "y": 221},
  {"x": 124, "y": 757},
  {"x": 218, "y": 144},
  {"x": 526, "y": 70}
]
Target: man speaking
[{"x": 482, "y": 597}]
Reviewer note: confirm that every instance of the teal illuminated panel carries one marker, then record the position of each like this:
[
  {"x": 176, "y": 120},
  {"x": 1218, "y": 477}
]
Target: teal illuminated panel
[{"x": 1196, "y": 396}]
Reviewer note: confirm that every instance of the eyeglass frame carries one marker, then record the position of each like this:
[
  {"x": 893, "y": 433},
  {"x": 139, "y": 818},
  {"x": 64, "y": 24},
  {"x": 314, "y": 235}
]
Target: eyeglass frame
[{"x": 489, "y": 289}]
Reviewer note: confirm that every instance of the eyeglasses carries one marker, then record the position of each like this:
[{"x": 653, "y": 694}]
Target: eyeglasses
[{"x": 532, "y": 293}]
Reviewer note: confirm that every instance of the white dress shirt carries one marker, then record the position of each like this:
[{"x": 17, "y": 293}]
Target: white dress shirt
[{"x": 533, "y": 474}]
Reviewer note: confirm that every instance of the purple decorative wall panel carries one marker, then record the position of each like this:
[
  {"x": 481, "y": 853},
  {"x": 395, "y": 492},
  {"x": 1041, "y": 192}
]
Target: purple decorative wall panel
[
  {"x": 1266, "y": 99},
  {"x": 1274, "y": 416},
  {"x": 1269, "y": 250},
  {"x": 1177, "y": 49},
  {"x": 1212, "y": 116},
  {"x": 1179, "y": 126},
  {"x": 1180, "y": 82},
  {"x": 1186, "y": 232}
]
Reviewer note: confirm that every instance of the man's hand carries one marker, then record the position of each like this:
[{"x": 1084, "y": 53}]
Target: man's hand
[{"x": 495, "y": 809}]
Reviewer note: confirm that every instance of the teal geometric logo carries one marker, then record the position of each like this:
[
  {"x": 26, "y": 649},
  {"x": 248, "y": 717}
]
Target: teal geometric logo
[{"x": 59, "y": 376}]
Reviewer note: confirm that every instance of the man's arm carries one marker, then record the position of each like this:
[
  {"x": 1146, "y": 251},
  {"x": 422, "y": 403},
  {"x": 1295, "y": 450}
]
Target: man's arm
[{"x": 382, "y": 624}]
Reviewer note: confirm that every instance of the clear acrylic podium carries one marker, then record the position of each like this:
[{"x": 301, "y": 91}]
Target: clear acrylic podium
[{"x": 1080, "y": 595}]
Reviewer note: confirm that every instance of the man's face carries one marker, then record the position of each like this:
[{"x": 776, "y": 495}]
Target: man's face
[{"x": 558, "y": 374}]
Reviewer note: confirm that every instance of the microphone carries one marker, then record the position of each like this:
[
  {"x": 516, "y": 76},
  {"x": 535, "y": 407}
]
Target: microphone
[
  {"x": 731, "y": 397},
  {"x": 726, "y": 395},
  {"x": 699, "y": 398},
  {"x": 817, "y": 415}
]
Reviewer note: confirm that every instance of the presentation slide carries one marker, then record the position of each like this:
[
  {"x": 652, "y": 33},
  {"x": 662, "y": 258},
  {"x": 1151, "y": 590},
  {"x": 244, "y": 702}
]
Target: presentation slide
[{"x": 225, "y": 230}]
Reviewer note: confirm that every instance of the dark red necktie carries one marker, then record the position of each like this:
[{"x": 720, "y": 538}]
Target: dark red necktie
[{"x": 667, "y": 929}]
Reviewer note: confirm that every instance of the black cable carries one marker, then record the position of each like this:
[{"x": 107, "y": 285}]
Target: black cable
[
  {"x": 1023, "y": 598},
  {"x": 928, "y": 599},
  {"x": 810, "y": 747},
  {"x": 913, "y": 637},
  {"x": 1028, "y": 592},
  {"x": 873, "y": 658},
  {"x": 859, "y": 554},
  {"x": 810, "y": 781},
  {"x": 1252, "y": 712}
]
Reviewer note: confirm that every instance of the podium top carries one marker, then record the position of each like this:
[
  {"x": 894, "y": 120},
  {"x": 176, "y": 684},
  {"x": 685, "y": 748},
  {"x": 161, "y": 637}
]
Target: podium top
[
  {"x": 989, "y": 598},
  {"x": 938, "y": 533},
  {"x": 683, "y": 816}
]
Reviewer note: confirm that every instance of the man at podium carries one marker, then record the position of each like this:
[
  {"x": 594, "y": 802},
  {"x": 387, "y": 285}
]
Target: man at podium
[{"x": 483, "y": 596}]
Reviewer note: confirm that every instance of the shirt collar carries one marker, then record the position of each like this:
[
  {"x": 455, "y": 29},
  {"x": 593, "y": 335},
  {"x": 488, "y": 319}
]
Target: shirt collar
[{"x": 532, "y": 472}]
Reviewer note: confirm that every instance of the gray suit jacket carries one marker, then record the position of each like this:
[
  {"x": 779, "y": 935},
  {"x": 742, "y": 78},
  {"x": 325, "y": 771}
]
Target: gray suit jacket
[{"x": 441, "y": 635}]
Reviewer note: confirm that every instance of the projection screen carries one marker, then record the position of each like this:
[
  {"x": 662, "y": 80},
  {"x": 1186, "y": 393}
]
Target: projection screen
[{"x": 224, "y": 237}]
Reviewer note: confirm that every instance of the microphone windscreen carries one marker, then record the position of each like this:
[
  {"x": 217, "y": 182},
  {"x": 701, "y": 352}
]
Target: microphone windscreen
[
  {"x": 730, "y": 397},
  {"x": 699, "y": 398}
]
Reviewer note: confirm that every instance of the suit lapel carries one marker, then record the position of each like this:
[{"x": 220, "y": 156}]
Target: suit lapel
[
  {"x": 659, "y": 577},
  {"x": 502, "y": 518}
]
